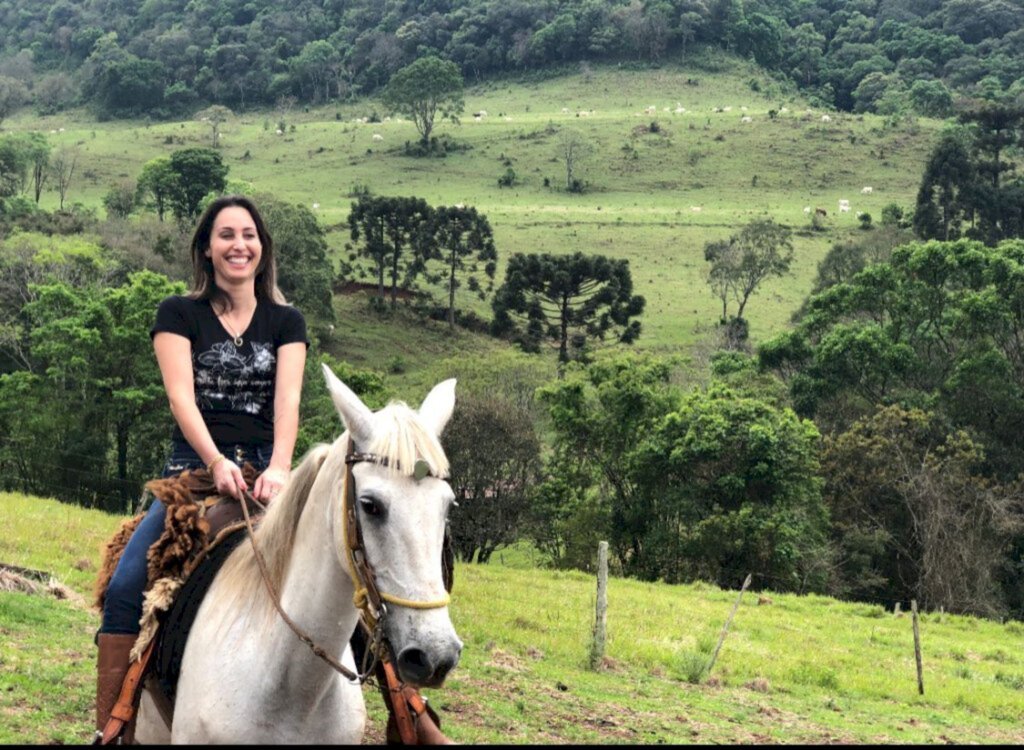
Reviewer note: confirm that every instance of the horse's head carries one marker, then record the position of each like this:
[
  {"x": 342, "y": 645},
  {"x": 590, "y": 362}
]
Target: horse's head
[{"x": 402, "y": 501}]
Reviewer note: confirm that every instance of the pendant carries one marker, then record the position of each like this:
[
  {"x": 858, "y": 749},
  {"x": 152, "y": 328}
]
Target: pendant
[{"x": 238, "y": 341}]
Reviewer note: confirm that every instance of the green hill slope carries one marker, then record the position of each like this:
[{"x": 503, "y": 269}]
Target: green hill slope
[
  {"x": 653, "y": 197},
  {"x": 797, "y": 669}
]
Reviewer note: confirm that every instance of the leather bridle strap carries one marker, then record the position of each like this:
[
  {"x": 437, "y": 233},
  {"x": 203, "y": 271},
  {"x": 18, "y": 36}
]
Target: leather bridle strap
[
  {"x": 302, "y": 635},
  {"x": 368, "y": 599}
]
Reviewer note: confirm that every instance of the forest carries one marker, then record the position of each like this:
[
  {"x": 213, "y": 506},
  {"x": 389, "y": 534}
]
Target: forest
[{"x": 166, "y": 58}]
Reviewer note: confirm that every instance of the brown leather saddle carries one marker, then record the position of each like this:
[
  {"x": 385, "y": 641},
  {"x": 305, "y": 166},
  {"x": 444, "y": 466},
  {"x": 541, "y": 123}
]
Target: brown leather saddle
[{"x": 201, "y": 529}]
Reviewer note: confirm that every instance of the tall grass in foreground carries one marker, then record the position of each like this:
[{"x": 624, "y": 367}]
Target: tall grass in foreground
[{"x": 801, "y": 669}]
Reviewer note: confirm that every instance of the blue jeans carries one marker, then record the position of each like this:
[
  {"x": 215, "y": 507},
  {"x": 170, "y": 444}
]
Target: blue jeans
[{"x": 122, "y": 605}]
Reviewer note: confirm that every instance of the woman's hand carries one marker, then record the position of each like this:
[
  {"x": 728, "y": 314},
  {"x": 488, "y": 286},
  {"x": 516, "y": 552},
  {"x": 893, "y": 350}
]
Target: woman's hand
[
  {"x": 269, "y": 484},
  {"x": 228, "y": 479}
]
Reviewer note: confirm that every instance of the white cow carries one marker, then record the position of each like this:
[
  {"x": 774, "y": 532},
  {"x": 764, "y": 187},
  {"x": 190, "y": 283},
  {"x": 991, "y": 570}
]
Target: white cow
[{"x": 866, "y": 190}]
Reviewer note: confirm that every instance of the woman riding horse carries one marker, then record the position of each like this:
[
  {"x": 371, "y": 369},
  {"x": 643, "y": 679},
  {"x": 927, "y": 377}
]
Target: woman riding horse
[{"x": 231, "y": 354}]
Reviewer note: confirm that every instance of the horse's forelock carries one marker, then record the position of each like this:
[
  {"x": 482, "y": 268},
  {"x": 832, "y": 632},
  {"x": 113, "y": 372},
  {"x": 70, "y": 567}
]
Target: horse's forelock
[{"x": 401, "y": 437}]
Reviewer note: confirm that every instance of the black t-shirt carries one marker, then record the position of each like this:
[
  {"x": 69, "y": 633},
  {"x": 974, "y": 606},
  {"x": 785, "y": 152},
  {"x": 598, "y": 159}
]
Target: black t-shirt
[{"x": 234, "y": 385}]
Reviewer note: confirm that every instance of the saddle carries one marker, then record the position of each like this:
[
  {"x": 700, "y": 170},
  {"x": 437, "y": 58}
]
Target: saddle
[{"x": 201, "y": 529}]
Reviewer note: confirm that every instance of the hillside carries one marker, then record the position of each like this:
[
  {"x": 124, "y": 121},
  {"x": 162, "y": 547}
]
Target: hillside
[
  {"x": 170, "y": 57},
  {"x": 653, "y": 197},
  {"x": 799, "y": 669}
]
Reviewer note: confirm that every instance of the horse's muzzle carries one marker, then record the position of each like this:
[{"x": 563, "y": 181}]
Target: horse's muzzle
[{"x": 428, "y": 669}]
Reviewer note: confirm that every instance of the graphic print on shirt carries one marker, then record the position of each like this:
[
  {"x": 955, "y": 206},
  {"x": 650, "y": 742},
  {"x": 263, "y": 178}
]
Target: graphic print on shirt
[{"x": 225, "y": 379}]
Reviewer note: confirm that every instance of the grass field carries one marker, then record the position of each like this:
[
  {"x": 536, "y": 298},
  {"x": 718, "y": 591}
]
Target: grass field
[
  {"x": 805, "y": 669},
  {"x": 643, "y": 186}
]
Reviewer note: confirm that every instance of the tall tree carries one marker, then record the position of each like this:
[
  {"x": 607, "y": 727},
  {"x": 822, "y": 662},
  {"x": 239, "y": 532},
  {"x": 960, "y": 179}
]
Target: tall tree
[
  {"x": 62, "y": 167},
  {"x": 948, "y": 189},
  {"x": 423, "y": 89},
  {"x": 569, "y": 300},
  {"x": 304, "y": 268},
  {"x": 157, "y": 180},
  {"x": 761, "y": 250},
  {"x": 494, "y": 452},
  {"x": 573, "y": 149},
  {"x": 197, "y": 172},
  {"x": 937, "y": 325},
  {"x": 460, "y": 233},
  {"x": 394, "y": 234},
  {"x": 996, "y": 128},
  {"x": 215, "y": 116}
]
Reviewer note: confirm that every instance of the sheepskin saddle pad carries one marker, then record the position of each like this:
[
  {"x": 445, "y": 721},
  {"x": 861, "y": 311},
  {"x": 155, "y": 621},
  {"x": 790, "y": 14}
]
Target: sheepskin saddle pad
[{"x": 201, "y": 529}]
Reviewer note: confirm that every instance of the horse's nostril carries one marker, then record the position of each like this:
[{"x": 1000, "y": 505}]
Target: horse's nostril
[
  {"x": 414, "y": 665},
  {"x": 443, "y": 668}
]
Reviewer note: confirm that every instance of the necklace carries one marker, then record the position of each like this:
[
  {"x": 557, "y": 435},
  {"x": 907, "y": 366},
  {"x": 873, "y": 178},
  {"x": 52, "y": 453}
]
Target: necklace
[{"x": 237, "y": 338}]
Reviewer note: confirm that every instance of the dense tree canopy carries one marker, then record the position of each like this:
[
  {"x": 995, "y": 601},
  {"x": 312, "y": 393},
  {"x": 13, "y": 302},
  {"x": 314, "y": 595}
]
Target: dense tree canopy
[
  {"x": 937, "y": 325},
  {"x": 165, "y": 59},
  {"x": 710, "y": 485}
]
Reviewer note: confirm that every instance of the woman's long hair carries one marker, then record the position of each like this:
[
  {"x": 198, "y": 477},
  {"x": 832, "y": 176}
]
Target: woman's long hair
[{"x": 204, "y": 285}]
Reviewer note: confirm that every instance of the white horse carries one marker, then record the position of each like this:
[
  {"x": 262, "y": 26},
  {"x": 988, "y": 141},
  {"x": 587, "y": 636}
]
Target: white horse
[{"x": 245, "y": 676}]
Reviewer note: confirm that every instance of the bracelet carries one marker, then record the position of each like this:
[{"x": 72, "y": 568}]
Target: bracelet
[{"x": 216, "y": 460}]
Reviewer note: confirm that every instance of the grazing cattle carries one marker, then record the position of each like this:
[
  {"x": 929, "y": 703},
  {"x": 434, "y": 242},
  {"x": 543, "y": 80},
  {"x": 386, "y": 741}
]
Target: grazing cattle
[
  {"x": 378, "y": 137},
  {"x": 784, "y": 110},
  {"x": 680, "y": 110},
  {"x": 807, "y": 209},
  {"x": 826, "y": 118},
  {"x": 746, "y": 118},
  {"x": 695, "y": 209},
  {"x": 866, "y": 190},
  {"x": 565, "y": 110},
  {"x": 844, "y": 206},
  {"x": 820, "y": 212}
]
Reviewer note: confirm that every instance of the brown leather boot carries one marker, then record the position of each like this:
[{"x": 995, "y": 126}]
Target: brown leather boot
[{"x": 111, "y": 665}]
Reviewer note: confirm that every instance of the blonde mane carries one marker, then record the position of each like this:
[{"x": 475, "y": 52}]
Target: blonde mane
[
  {"x": 399, "y": 436},
  {"x": 241, "y": 578}
]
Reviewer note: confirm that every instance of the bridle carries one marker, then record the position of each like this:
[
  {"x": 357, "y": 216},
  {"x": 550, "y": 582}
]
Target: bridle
[{"x": 369, "y": 600}]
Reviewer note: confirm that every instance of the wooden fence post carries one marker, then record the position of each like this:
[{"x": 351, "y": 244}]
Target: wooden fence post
[
  {"x": 601, "y": 615},
  {"x": 728, "y": 622},
  {"x": 917, "y": 648}
]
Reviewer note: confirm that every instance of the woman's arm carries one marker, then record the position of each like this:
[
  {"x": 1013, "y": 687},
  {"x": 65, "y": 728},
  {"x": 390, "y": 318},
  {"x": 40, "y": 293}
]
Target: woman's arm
[
  {"x": 291, "y": 361},
  {"x": 174, "y": 356}
]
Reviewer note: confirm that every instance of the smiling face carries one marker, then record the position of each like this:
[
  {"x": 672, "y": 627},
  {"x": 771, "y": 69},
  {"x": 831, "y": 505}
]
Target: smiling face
[{"x": 235, "y": 249}]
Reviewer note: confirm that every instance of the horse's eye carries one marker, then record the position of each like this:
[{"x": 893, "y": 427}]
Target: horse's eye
[{"x": 371, "y": 507}]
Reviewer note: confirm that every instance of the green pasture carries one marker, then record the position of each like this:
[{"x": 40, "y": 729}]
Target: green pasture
[
  {"x": 654, "y": 197},
  {"x": 803, "y": 669}
]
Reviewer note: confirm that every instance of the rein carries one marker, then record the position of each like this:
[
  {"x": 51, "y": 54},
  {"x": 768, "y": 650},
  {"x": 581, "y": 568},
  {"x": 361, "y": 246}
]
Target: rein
[
  {"x": 302, "y": 634},
  {"x": 367, "y": 598}
]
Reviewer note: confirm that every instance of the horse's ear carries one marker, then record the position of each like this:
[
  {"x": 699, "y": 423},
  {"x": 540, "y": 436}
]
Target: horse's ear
[
  {"x": 436, "y": 409},
  {"x": 354, "y": 413}
]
